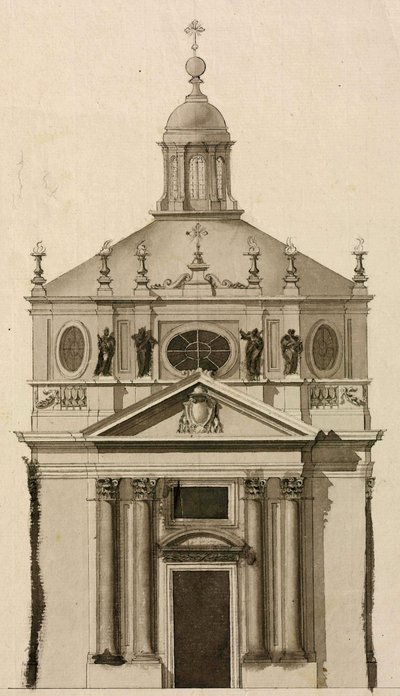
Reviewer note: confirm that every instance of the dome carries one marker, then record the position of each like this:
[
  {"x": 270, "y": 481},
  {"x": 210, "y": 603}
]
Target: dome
[{"x": 195, "y": 115}]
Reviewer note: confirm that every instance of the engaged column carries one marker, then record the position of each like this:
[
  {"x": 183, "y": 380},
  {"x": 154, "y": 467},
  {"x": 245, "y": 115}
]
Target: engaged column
[
  {"x": 108, "y": 607},
  {"x": 143, "y": 494}
]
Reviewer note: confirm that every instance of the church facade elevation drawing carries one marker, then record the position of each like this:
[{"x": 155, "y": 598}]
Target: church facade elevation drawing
[{"x": 200, "y": 448}]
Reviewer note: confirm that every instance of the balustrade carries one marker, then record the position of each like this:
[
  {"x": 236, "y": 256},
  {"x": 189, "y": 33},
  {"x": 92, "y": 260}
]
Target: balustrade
[
  {"x": 61, "y": 397},
  {"x": 325, "y": 395}
]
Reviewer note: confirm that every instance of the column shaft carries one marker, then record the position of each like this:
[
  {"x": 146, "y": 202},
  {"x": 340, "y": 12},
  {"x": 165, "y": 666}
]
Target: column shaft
[
  {"x": 255, "y": 595},
  {"x": 108, "y": 609},
  {"x": 293, "y": 642},
  {"x": 143, "y": 578},
  {"x": 106, "y": 577}
]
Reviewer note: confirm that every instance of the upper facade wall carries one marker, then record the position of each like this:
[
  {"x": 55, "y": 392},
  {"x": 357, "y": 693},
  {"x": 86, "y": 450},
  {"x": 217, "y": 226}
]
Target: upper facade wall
[{"x": 333, "y": 333}]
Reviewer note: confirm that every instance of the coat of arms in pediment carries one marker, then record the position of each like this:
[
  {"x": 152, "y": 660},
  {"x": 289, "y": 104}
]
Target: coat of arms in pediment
[{"x": 200, "y": 413}]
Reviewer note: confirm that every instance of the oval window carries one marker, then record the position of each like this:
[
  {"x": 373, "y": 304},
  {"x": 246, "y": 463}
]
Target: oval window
[
  {"x": 190, "y": 350},
  {"x": 325, "y": 348},
  {"x": 72, "y": 348}
]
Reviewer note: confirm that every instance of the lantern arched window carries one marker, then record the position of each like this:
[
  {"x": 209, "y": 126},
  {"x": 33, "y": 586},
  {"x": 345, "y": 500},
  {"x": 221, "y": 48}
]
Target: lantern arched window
[
  {"x": 174, "y": 176},
  {"x": 197, "y": 177},
  {"x": 220, "y": 177}
]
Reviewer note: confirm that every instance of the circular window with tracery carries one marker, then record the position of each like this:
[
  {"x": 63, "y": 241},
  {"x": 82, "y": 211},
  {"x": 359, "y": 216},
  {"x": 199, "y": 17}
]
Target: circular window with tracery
[
  {"x": 325, "y": 348},
  {"x": 72, "y": 349},
  {"x": 190, "y": 350}
]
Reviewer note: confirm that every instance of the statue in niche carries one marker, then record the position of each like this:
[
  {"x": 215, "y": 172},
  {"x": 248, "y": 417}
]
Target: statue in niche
[
  {"x": 292, "y": 347},
  {"x": 106, "y": 345},
  {"x": 144, "y": 343},
  {"x": 254, "y": 349}
]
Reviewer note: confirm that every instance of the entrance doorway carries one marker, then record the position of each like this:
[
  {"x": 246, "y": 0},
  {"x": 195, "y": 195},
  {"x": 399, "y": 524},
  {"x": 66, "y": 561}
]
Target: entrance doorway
[{"x": 202, "y": 635}]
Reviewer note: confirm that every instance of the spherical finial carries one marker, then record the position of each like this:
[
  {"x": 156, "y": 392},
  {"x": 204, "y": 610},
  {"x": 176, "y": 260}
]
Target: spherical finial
[{"x": 195, "y": 66}]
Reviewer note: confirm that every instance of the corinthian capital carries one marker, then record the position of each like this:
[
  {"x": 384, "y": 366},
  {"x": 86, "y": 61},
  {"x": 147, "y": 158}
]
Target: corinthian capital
[
  {"x": 143, "y": 488},
  {"x": 369, "y": 487},
  {"x": 107, "y": 488},
  {"x": 254, "y": 487},
  {"x": 292, "y": 487}
]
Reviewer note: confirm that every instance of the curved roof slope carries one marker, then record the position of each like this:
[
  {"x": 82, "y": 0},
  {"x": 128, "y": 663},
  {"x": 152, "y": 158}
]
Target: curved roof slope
[
  {"x": 196, "y": 116},
  {"x": 223, "y": 249}
]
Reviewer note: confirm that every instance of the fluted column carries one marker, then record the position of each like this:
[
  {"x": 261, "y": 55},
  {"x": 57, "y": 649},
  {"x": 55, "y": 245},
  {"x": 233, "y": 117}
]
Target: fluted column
[
  {"x": 292, "y": 489},
  {"x": 254, "y": 490},
  {"x": 108, "y": 620},
  {"x": 143, "y": 495}
]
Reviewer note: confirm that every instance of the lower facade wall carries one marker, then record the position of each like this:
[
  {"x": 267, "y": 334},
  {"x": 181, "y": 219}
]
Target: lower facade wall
[
  {"x": 344, "y": 559},
  {"x": 69, "y": 561},
  {"x": 63, "y": 645}
]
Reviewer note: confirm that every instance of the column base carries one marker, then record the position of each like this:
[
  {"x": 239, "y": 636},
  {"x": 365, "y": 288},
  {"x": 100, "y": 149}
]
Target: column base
[
  {"x": 107, "y": 658},
  {"x": 297, "y": 656},
  {"x": 140, "y": 674},
  {"x": 257, "y": 657},
  {"x": 145, "y": 657}
]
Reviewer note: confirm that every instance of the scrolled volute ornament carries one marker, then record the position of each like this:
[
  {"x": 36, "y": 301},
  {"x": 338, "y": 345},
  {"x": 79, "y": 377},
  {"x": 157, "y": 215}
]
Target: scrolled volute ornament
[
  {"x": 107, "y": 488},
  {"x": 254, "y": 487},
  {"x": 143, "y": 488},
  {"x": 369, "y": 487},
  {"x": 292, "y": 487}
]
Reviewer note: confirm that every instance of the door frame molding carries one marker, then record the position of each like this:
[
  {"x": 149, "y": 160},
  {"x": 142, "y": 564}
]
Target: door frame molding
[{"x": 231, "y": 568}]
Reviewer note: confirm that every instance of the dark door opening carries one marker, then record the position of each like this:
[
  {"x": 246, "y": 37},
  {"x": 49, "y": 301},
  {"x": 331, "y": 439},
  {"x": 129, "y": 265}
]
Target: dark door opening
[{"x": 201, "y": 601}]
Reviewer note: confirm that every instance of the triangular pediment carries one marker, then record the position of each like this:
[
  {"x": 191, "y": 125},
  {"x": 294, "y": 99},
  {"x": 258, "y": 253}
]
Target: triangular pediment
[{"x": 200, "y": 407}]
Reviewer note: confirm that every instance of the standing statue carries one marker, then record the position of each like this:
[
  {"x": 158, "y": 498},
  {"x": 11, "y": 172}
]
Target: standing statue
[
  {"x": 144, "y": 343},
  {"x": 254, "y": 349},
  {"x": 106, "y": 344},
  {"x": 292, "y": 347}
]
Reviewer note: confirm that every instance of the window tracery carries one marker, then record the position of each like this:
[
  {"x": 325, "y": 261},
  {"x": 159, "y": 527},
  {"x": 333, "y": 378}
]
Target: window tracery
[
  {"x": 197, "y": 177},
  {"x": 220, "y": 173},
  {"x": 174, "y": 176},
  {"x": 190, "y": 350}
]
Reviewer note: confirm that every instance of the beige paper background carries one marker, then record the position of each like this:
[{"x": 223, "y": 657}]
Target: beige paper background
[{"x": 311, "y": 93}]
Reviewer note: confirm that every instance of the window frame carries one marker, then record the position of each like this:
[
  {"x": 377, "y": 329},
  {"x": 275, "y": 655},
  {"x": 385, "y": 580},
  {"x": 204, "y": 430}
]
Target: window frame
[
  {"x": 86, "y": 350},
  {"x": 213, "y": 328},
  {"x": 198, "y": 488},
  {"x": 203, "y": 522},
  {"x": 324, "y": 374}
]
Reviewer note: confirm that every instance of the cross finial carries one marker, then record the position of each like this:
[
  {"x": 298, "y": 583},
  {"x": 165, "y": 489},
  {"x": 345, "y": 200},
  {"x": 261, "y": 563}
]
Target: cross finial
[
  {"x": 194, "y": 28},
  {"x": 196, "y": 233}
]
